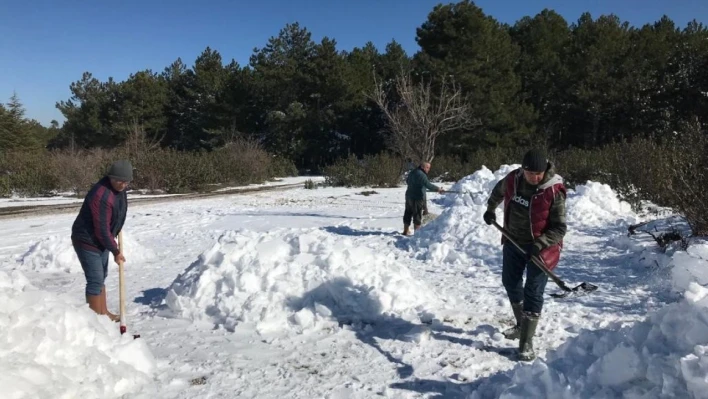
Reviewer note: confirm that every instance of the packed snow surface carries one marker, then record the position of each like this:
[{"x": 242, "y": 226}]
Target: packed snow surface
[{"x": 314, "y": 293}]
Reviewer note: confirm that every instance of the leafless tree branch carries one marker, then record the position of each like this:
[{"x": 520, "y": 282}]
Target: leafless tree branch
[{"x": 416, "y": 116}]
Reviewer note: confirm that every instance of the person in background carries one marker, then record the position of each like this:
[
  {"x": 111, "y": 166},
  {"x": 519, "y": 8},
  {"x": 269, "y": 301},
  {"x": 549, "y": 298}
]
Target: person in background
[
  {"x": 418, "y": 184},
  {"x": 534, "y": 216},
  {"x": 93, "y": 233}
]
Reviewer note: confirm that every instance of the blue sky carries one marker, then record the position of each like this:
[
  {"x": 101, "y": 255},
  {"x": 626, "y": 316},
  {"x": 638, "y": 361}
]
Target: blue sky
[{"x": 46, "y": 45}]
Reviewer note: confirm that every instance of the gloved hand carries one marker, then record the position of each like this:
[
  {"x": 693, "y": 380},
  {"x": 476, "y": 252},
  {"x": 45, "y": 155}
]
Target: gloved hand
[
  {"x": 535, "y": 250},
  {"x": 489, "y": 217}
]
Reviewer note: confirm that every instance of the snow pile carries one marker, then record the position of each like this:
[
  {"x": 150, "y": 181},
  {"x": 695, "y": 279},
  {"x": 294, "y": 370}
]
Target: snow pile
[
  {"x": 296, "y": 280},
  {"x": 664, "y": 356},
  {"x": 459, "y": 233},
  {"x": 646, "y": 254},
  {"x": 596, "y": 205},
  {"x": 690, "y": 267},
  {"x": 477, "y": 186},
  {"x": 51, "y": 349},
  {"x": 56, "y": 254}
]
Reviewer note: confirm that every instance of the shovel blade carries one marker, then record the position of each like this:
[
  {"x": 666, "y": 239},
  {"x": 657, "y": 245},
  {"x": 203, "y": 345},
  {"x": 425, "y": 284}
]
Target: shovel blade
[{"x": 583, "y": 288}]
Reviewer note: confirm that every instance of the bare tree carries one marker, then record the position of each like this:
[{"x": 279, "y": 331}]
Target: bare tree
[
  {"x": 137, "y": 140},
  {"x": 416, "y": 115}
]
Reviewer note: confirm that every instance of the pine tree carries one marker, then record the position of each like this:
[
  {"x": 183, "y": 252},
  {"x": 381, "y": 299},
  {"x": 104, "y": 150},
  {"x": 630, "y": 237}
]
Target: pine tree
[
  {"x": 460, "y": 42},
  {"x": 599, "y": 79},
  {"x": 543, "y": 40},
  {"x": 16, "y": 133}
]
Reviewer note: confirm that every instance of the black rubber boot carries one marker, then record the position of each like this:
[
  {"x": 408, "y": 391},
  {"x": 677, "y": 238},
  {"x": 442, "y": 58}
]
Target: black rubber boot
[
  {"x": 528, "y": 329},
  {"x": 515, "y": 332}
]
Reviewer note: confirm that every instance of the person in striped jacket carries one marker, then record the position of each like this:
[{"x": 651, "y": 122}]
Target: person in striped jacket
[{"x": 95, "y": 229}]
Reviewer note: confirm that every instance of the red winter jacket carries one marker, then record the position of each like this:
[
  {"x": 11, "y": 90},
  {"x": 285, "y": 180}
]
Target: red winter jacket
[{"x": 539, "y": 210}]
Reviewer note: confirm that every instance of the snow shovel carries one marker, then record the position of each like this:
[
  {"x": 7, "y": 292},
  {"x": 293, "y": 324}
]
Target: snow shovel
[
  {"x": 121, "y": 284},
  {"x": 583, "y": 287}
]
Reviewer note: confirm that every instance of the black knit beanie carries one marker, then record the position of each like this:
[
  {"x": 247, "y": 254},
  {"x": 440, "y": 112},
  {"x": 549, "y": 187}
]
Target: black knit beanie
[{"x": 535, "y": 161}]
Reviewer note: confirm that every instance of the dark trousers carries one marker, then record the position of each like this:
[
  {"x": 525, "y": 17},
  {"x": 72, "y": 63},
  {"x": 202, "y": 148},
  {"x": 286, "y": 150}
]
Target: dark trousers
[
  {"x": 95, "y": 265},
  {"x": 414, "y": 210},
  {"x": 513, "y": 267}
]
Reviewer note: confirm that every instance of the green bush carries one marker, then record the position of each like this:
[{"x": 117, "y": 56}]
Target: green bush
[
  {"x": 577, "y": 166},
  {"x": 449, "y": 168},
  {"x": 347, "y": 172},
  {"x": 28, "y": 173},
  {"x": 282, "y": 167},
  {"x": 668, "y": 172},
  {"x": 381, "y": 170}
]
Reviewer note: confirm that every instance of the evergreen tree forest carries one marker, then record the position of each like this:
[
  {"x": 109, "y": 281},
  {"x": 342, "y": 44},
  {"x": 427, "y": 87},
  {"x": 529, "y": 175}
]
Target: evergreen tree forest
[{"x": 543, "y": 81}]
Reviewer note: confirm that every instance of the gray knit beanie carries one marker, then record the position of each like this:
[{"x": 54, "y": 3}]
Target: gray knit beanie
[{"x": 121, "y": 170}]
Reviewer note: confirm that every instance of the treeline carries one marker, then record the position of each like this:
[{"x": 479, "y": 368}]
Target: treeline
[
  {"x": 542, "y": 80},
  {"x": 586, "y": 89},
  {"x": 19, "y": 132}
]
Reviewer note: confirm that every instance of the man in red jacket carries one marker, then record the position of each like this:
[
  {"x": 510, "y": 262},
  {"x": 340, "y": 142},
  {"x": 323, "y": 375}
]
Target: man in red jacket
[
  {"x": 534, "y": 216},
  {"x": 93, "y": 233}
]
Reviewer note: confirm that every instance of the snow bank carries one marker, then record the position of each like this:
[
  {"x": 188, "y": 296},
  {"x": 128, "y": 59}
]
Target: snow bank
[
  {"x": 690, "y": 267},
  {"x": 51, "y": 349},
  {"x": 596, "y": 205},
  {"x": 296, "y": 280},
  {"x": 646, "y": 253},
  {"x": 56, "y": 254},
  {"x": 663, "y": 356},
  {"x": 460, "y": 235}
]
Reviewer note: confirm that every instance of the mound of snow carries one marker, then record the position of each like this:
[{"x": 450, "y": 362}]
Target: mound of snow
[
  {"x": 670, "y": 266},
  {"x": 690, "y": 266},
  {"x": 460, "y": 235},
  {"x": 597, "y": 205},
  {"x": 56, "y": 254},
  {"x": 51, "y": 349},
  {"x": 663, "y": 356},
  {"x": 477, "y": 186},
  {"x": 296, "y": 280}
]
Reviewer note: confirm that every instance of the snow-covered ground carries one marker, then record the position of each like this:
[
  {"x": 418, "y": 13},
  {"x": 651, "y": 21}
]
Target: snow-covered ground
[{"x": 314, "y": 293}]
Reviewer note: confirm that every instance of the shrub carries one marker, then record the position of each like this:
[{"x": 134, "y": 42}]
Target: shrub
[
  {"x": 493, "y": 158},
  {"x": 156, "y": 169},
  {"x": 27, "y": 173},
  {"x": 348, "y": 172},
  {"x": 688, "y": 166},
  {"x": 449, "y": 168},
  {"x": 381, "y": 170},
  {"x": 77, "y": 171},
  {"x": 282, "y": 167},
  {"x": 668, "y": 172}
]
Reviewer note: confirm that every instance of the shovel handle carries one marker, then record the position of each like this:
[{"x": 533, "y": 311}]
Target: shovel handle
[
  {"x": 121, "y": 284},
  {"x": 536, "y": 260}
]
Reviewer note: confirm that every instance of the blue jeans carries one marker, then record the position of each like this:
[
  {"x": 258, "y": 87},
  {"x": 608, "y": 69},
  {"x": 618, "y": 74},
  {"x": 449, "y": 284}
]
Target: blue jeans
[
  {"x": 513, "y": 267},
  {"x": 95, "y": 265}
]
